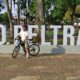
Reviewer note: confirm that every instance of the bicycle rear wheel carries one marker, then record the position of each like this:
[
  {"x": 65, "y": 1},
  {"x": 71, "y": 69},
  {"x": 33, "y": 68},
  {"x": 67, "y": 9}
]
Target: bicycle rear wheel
[
  {"x": 15, "y": 51},
  {"x": 34, "y": 49}
]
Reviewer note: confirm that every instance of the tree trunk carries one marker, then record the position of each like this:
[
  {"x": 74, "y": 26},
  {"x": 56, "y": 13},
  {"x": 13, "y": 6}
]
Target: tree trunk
[
  {"x": 39, "y": 17},
  {"x": 43, "y": 5},
  {"x": 10, "y": 5},
  {"x": 18, "y": 11},
  {"x": 10, "y": 17},
  {"x": 72, "y": 15}
]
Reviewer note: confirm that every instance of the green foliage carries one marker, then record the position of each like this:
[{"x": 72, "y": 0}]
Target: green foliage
[
  {"x": 78, "y": 2},
  {"x": 61, "y": 8},
  {"x": 4, "y": 18},
  {"x": 48, "y": 3},
  {"x": 78, "y": 9},
  {"x": 67, "y": 18},
  {"x": 23, "y": 4},
  {"x": 59, "y": 11},
  {"x": 1, "y": 20},
  {"x": 32, "y": 7}
]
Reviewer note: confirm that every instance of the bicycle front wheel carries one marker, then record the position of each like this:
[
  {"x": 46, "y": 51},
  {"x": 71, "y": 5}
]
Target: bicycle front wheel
[
  {"x": 15, "y": 51},
  {"x": 34, "y": 49}
]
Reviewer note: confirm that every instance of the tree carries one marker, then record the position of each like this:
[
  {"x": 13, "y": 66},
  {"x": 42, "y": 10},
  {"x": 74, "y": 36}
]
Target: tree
[
  {"x": 41, "y": 8},
  {"x": 72, "y": 5},
  {"x": 60, "y": 8},
  {"x": 33, "y": 8},
  {"x": 18, "y": 5},
  {"x": 39, "y": 17},
  {"x": 5, "y": 18},
  {"x": 10, "y": 16},
  {"x": 23, "y": 6},
  {"x": 18, "y": 2}
]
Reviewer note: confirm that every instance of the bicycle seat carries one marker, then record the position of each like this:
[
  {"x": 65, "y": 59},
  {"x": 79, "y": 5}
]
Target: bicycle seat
[{"x": 30, "y": 39}]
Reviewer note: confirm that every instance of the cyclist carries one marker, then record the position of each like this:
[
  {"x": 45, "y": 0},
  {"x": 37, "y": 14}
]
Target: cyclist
[{"x": 24, "y": 37}]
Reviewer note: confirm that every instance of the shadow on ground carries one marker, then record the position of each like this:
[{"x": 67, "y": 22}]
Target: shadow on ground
[
  {"x": 55, "y": 51},
  {"x": 58, "y": 50}
]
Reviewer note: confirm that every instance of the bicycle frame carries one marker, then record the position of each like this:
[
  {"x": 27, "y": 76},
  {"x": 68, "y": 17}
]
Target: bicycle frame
[
  {"x": 18, "y": 42},
  {"x": 33, "y": 47}
]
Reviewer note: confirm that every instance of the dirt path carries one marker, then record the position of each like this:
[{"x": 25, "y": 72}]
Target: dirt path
[{"x": 43, "y": 67}]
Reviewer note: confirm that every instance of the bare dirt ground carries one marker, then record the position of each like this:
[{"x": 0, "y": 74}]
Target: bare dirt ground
[{"x": 41, "y": 67}]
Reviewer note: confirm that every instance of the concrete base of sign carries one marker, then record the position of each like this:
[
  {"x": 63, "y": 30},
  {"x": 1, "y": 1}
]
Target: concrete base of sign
[{"x": 46, "y": 49}]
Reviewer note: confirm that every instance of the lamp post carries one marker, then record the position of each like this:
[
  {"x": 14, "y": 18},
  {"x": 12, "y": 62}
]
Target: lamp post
[
  {"x": 79, "y": 22},
  {"x": 62, "y": 25}
]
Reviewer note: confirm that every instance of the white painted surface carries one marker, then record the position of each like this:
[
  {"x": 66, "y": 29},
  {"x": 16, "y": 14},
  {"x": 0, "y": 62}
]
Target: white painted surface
[{"x": 46, "y": 49}]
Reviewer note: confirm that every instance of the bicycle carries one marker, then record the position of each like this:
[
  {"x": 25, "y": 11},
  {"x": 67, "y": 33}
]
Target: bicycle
[{"x": 33, "y": 48}]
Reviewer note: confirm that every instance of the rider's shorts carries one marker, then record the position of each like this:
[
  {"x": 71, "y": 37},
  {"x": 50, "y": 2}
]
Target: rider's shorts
[{"x": 24, "y": 44}]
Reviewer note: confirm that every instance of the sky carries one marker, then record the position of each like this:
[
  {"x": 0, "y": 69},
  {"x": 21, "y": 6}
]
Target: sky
[
  {"x": 0, "y": 0},
  {"x": 14, "y": 9}
]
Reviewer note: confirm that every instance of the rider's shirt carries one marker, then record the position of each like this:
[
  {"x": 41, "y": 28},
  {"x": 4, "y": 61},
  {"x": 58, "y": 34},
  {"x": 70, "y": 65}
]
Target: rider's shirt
[{"x": 23, "y": 35}]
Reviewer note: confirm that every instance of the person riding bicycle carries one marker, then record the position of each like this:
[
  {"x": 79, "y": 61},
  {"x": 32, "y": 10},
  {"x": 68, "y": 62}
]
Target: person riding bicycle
[{"x": 24, "y": 38}]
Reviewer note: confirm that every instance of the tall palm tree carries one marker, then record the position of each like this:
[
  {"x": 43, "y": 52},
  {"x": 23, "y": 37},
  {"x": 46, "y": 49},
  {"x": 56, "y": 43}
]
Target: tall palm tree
[
  {"x": 9, "y": 10},
  {"x": 39, "y": 12},
  {"x": 39, "y": 16}
]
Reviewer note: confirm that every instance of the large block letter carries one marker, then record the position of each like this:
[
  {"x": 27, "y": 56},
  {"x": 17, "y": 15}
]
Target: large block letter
[
  {"x": 68, "y": 35},
  {"x": 3, "y": 29},
  {"x": 55, "y": 33},
  {"x": 16, "y": 28},
  {"x": 30, "y": 31},
  {"x": 43, "y": 36},
  {"x": 78, "y": 40}
]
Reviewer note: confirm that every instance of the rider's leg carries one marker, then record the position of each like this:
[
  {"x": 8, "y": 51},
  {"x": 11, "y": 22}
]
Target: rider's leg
[
  {"x": 26, "y": 48},
  {"x": 24, "y": 51},
  {"x": 27, "y": 54}
]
